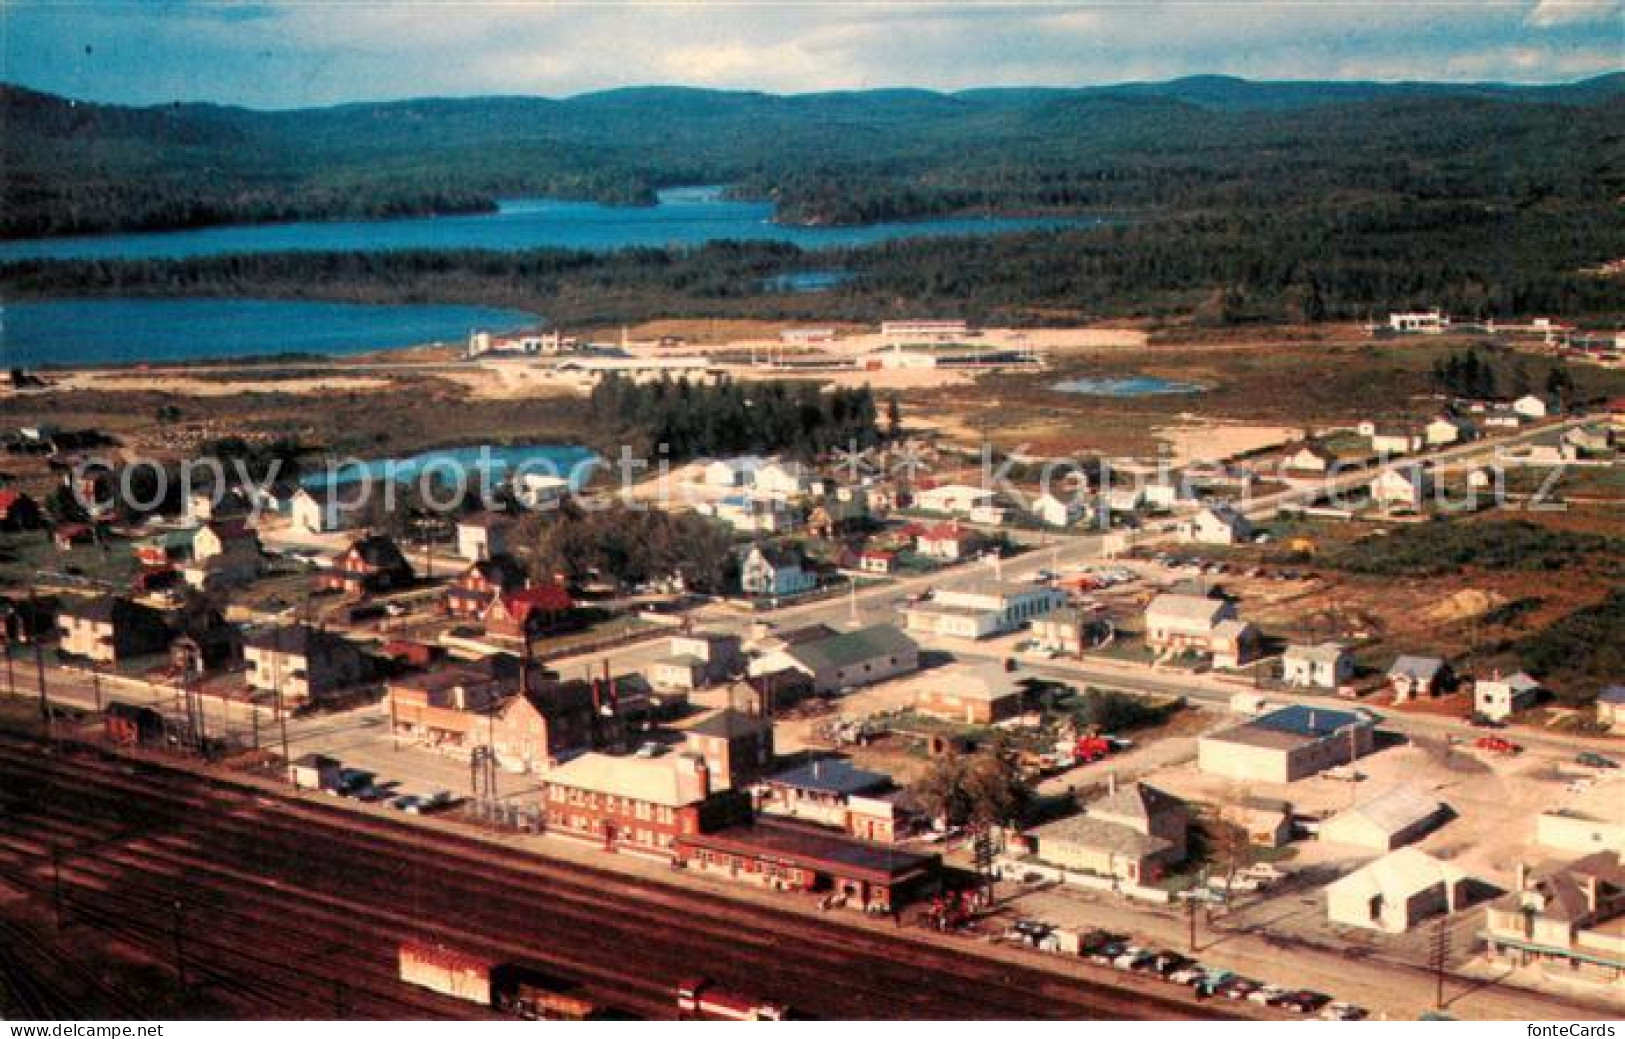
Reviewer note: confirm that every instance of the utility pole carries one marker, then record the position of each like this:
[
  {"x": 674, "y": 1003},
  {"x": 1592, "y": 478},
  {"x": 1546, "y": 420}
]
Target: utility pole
[
  {"x": 39, "y": 667},
  {"x": 178, "y": 933},
  {"x": 1441, "y": 948}
]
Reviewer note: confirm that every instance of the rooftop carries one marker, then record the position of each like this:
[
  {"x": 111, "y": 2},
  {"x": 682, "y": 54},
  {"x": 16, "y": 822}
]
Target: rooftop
[
  {"x": 832, "y": 776},
  {"x": 821, "y": 849},
  {"x": 852, "y": 647}
]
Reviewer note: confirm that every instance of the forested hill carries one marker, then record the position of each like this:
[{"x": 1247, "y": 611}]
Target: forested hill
[{"x": 1191, "y": 144}]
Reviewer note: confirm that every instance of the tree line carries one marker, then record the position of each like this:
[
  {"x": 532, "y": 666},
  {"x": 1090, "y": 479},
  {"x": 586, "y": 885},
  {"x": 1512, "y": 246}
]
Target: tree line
[{"x": 683, "y": 420}]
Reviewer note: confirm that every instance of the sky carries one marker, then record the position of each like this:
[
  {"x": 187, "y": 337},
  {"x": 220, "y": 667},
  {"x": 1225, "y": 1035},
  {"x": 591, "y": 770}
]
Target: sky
[{"x": 294, "y": 53}]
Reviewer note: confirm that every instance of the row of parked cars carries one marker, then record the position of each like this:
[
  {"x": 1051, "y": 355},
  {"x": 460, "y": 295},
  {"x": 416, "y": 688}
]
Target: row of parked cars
[{"x": 1207, "y": 982}]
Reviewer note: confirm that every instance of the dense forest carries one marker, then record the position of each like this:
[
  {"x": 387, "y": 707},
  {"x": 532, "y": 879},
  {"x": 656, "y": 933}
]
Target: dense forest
[
  {"x": 1237, "y": 201},
  {"x": 826, "y": 158},
  {"x": 685, "y": 420}
]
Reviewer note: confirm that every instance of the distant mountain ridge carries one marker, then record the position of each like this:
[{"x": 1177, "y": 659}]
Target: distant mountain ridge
[{"x": 840, "y": 156}]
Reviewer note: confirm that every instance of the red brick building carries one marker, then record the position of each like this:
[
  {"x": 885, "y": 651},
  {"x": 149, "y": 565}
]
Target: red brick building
[
  {"x": 530, "y": 609},
  {"x": 635, "y": 804},
  {"x": 471, "y": 594},
  {"x": 371, "y": 565}
]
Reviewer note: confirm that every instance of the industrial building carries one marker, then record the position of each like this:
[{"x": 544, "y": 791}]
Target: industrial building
[{"x": 1286, "y": 745}]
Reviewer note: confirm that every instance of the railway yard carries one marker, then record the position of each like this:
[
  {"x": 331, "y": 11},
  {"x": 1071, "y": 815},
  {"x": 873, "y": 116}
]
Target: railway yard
[{"x": 257, "y": 902}]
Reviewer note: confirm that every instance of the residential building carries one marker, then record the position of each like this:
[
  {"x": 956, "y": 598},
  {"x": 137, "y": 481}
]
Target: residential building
[
  {"x": 1500, "y": 698},
  {"x": 1393, "y": 819},
  {"x": 820, "y": 791},
  {"x": 948, "y": 542},
  {"x": 1064, "y": 630},
  {"x": 773, "y": 572},
  {"x": 845, "y": 660},
  {"x": 372, "y": 565},
  {"x": 983, "y": 695},
  {"x": 1401, "y": 488},
  {"x": 1565, "y": 919},
  {"x": 1448, "y": 429},
  {"x": 636, "y": 805},
  {"x": 109, "y": 629},
  {"x": 1310, "y": 459},
  {"x": 982, "y": 612},
  {"x": 1532, "y": 406},
  {"x": 552, "y": 720},
  {"x": 484, "y": 535},
  {"x": 953, "y": 499},
  {"x": 485, "y": 579},
  {"x": 1412, "y": 677},
  {"x": 529, "y": 610},
  {"x": 696, "y": 661},
  {"x": 1133, "y": 835},
  {"x": 736, "y": 747},
  {"x": 877, "y": 561},
  {"x": 1324, "y": 666},
  {"x": 301, "y": 663},
  {"x": 783, "y": 479},
  {"x": 1287, "y": 744},
  {"x": 539, "y": 491},
  {"x": 1060, "y": 511},
  {"x": 225, "y": 553},
  {"x": 325, "y": 508},
  {"x": 1216, "y": 525},
  {"x": 1177, "y": 623},
  {"x": 1389, "y": 441},
  {"x": 789, "y": 857},
  {"x": 1397, "y": 892}
]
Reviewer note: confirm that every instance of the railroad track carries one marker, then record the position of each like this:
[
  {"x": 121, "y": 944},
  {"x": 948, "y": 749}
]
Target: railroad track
[{"x": 327, "y": 877}]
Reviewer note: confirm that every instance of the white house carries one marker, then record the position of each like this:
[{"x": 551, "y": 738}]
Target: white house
[
  {"x": 1499, "y": 698},
  {"x": 783, "y": 479},
  {"x": 1386, "y": 441},
  {"x": 770, "y": 572},
  {"x": 948, "y": 542},
  {"x": 483, "y": 535},
  {"x": 1216, "y": 525},
  {"x": 1448, "y": 429},
  {"x": 1060, "y": 512},
  {"x": 1402, "y": 487},
  {"x": 1310, "y": 458},
  {"x": 953, "y": 498},
  {"x": 1532, "y": 406},
  {"x": 1326, "y": 666},
  {"x": 539, "y": 490},
  {"x": 331, "y": 507}
]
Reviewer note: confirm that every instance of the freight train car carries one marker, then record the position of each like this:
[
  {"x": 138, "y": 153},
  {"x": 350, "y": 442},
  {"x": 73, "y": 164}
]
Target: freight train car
[
  {"x": 509, "y": 987},
  {"x": 701, "y": 998}
]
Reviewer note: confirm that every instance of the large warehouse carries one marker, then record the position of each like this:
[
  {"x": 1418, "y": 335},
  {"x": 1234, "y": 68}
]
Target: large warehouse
[{"x": 1286, "y": 745}]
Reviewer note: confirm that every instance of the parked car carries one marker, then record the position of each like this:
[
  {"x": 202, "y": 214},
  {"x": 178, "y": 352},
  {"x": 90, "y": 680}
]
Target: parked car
[
  {"x": 1191, "y": 974},
  {"x": 1267, "y": 995},
  {"x": 1131, "y": 957},
  {"x": 1303, "y": 1001},
  {"x": 1497, "y": 745},
  {"x": 1591, "y": 759},
  {"x": 1237, "y": 987},
  {"x": 410, "y": 803},
  {"x": 1337, "y": 1010}
]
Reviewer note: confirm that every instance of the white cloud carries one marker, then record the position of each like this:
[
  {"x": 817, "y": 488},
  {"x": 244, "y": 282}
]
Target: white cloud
[{"x": 1548, "y": 14}]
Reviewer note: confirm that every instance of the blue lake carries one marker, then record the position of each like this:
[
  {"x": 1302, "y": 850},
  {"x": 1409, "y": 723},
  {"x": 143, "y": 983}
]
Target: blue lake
[
  {"x": 683, "y": 217},
  {"x": 1130, "y": 386},
  {"x": 78, "y": 332},
  {"x": 456, "y": 464}
]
